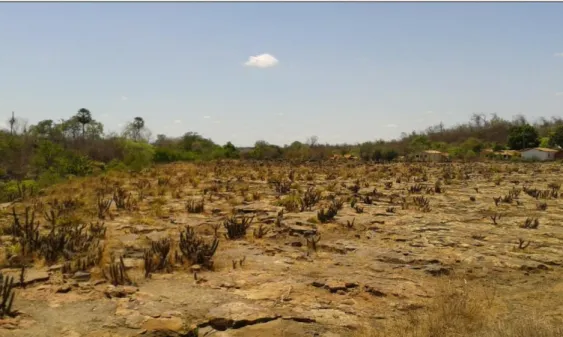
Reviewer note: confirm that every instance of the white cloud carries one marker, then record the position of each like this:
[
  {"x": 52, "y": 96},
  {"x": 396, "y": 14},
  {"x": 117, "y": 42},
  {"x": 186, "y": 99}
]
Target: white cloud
[
  {"x": 429, "y": 112},
  {"x": 206, "y": 117},
  {"x": 559, "y": 93},
  {"x": 558, "y": 54},
  {"x": 216, "y": 122},
  {"x": 177, "y": 121},
  {"x": 261, "y": 61},
  {"x": 124, "y": 98},
  {"x": 391, "y": 125},
  {"x": 280, "y": 114}
]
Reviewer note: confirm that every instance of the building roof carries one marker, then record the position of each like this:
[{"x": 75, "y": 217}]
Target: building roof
[
  {"x": 434, "y": 152},
  {"x": 509, "y": 152},
  {"x": 542, "y": 149}
]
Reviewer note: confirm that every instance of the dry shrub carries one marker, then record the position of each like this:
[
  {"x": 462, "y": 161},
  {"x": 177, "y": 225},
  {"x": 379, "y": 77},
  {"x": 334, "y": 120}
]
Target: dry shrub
[{"x": 464, "y": 310}]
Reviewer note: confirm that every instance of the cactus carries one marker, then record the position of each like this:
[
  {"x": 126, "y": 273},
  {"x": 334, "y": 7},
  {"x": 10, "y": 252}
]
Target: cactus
[
  {"x": 531, "y": 223},
  {"x": 196, "y": 250},
  {"x": 7, "y": 295},
  {"x": 312, "y": 242},
  {"x": 103, "y": 206},
  {"x": 117, "y": 273},
  {"x": 120, "y": 197},
  {"x": 309, "y": 199},
  {"x": 97, "y": 229},
  {"x": 149, "y": 263},
  {"x": 237, "y": 229},
  {"x": 194, "y": 206},
  {"x": 325, "y": 216},
  {"x": 260, "y": 231},
  {"x": 161, "y": 248},
  {"x": 28, "y": 233}
]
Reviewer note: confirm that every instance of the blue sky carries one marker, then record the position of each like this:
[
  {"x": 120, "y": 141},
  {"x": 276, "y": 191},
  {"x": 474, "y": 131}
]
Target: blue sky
[{"x": 346, "y": 72}]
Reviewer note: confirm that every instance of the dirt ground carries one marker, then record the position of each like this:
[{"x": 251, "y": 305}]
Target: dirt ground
[{"x": 413, "y": 228}]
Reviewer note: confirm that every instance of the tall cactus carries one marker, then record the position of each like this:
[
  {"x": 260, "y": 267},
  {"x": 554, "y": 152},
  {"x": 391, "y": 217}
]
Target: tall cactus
[{"x": 7, "y": 295}]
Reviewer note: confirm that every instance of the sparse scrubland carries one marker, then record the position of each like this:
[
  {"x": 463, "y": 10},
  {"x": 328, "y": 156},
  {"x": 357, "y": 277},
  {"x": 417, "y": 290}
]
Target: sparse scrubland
[
  {"x": 239, "y": 248},
  {"x": 107, "y": 235}
]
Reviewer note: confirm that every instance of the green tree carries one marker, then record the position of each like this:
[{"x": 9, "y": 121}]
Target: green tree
[
  {"x": 46, "y": 156},
  {"x": 137, "y": 155},
  {"x": 419, "y": 143},
  {"x": 556, "y": 138},
  {"x": 263, "y": 150},
  {"x": 523, "y": 136},
  {"x": 138, "y": 125},
  {"x": 389, "y": 154},
  {"x": 296, "y": 151},
  {"x": 71, "y": 127},
  {"x": 43, "y": 129},
  {"x": 367, "y": 150},
  {"x": 84, "y": 117},
  {"x": 472, "y": 144},
  {"x": 95, "y": 130},
  {"x": 545, "y": 142},
  {"x": 136, "y": 130},
  {"x": 230, "y": 151},
  {"x": 498, "y": 147}
]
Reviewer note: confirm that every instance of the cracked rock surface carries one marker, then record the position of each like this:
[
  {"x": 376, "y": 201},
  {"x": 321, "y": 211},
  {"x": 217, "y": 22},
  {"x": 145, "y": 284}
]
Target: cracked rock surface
[{"x": 384, "y": 266}]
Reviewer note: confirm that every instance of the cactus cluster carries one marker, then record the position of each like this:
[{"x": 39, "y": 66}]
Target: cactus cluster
[
  {"x": 195, "y": 206},
  {"x": 237, "y": 226},
  {"x": 196, "y": 250}
]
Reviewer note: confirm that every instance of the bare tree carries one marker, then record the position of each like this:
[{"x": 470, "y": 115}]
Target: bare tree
[
  {"x": 12, "y": 122},
  {"x": 312, "y": 141},
  {"x": 18, "y": 126},
  {"x": 136, "y": 130}
]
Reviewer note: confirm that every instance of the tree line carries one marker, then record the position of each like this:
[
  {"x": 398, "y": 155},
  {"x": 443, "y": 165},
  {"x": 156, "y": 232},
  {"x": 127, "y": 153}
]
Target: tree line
[{"x": 46, "y": 152}]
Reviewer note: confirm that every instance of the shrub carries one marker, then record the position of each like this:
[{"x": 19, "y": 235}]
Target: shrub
[{"x": 138, "y": 155}]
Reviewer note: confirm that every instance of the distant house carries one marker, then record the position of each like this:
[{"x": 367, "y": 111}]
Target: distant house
[
  {"x": 350, "y": 157},
  {"x": 539, "y": 153},
  {"x": 429, "y": 155},
  {"x": 343, "y": 157},
  {"x": 487, "y": 153},
  {"x": 508, "y": 154},
  {"x": 503, "y": 154},
  {"x": 336, "y": 157}
]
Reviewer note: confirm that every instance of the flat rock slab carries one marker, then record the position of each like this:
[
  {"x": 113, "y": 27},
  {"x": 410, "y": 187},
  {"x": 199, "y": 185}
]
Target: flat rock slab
[
  {"x": 268, "y": 291},
  {"x": 276, "y": 328},
  {"x": 30, "y": 276},
  {"x": 300, "y": 229},
  {"x": 333, "y": 317},
  {"x": 238, "y": 314},
  {"x": 163, "y": 324}
]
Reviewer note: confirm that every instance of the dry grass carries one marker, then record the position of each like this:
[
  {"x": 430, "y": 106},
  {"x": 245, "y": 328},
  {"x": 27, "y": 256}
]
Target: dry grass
[
  {"x": 413, "y": 214},
  {"x": 462, "y": 309}
]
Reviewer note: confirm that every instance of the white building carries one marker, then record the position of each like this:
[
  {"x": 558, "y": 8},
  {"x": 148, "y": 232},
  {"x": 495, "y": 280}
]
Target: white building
[
  {"x": 429, "y": 155},
  {"x": 539, "y": 153}
]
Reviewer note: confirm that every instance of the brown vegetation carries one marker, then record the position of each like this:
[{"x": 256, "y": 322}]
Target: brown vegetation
[{"x": 389, "y": 250}]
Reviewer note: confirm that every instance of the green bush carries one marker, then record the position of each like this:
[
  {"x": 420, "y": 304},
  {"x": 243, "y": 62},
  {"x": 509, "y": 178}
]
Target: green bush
[
  {"x": 167, "y": 155},
  {"x": 10, "y": 190},
  {"x": 137, "y": 155},
  {"x": 48, "y": 178},
  {"x": 116, "y": 165},
  {"x": 76, "y": 164}
]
